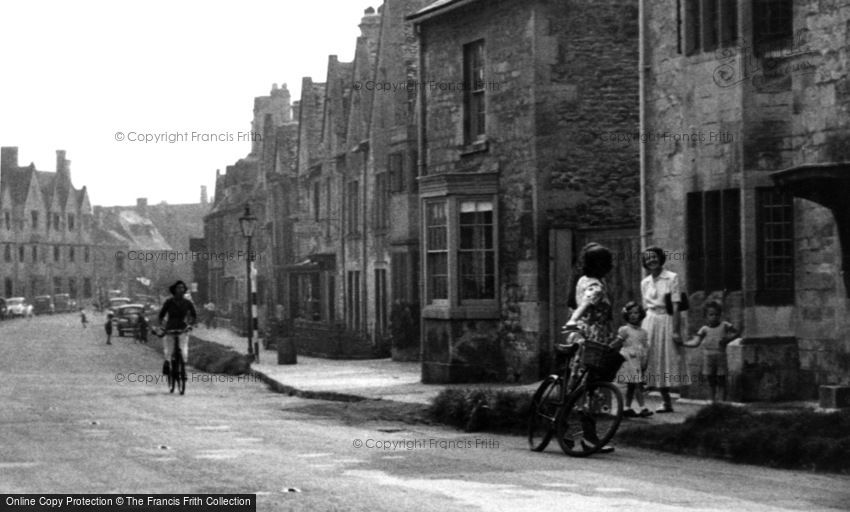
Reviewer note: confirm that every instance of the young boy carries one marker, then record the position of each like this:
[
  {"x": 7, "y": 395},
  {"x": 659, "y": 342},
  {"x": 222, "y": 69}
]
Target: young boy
[
  {"x": 108, "y": 327},
  {"x": 714, "y": 336},
  {"x": 83, "y": 318}
]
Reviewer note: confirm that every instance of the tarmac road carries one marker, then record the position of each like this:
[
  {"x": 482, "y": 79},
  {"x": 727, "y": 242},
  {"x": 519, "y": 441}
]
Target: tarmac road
[{"x": 77, "y": 416}]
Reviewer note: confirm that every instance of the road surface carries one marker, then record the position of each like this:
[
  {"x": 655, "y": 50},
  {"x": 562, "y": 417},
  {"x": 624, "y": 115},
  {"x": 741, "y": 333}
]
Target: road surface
[{"x": 76, "y": 416}]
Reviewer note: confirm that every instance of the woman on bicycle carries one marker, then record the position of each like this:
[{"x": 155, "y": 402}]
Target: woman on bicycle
[
  {"x": 181, "y": 314},
  {"x": 589, "y": 297},
  {"x": 592, "y": 314}
]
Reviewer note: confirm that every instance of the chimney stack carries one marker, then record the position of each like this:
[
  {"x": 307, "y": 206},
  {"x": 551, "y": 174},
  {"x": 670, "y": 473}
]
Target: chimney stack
[
  {"x": 370, "y": 26},
  {"x": 9, "y": 157},
  {"x": 142, "y": 206},
  {"x": 203, "y": 195}
]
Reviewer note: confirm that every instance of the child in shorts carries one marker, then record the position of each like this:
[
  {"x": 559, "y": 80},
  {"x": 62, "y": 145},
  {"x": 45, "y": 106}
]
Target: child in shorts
[{"x": 713, "y": 337}]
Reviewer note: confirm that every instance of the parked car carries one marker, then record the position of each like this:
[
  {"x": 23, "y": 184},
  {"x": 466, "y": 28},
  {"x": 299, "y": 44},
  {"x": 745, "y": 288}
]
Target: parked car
[
  {"x": 147, "y": 301},
  {"x": 43, "y": 305},
  {"x": 115, "y": 302},
  {"x": 16, "y": 306},
  {"x": 127, "y": 318},
  {"x": 2, "y": 309},
  {"x": 63, "y": 303}
]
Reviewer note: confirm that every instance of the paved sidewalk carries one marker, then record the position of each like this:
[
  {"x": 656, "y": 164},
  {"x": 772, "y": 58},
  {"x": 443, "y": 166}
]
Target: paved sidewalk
[{"x": 377, "y": 379}]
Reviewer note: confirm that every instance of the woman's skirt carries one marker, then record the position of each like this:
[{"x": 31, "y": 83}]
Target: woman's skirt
[{"x": 665, "y": 368}]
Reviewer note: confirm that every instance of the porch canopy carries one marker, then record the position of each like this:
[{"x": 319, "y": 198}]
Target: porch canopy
[
  {"x": 314, "y": 263},
  {"x": 827, "y": 184}
]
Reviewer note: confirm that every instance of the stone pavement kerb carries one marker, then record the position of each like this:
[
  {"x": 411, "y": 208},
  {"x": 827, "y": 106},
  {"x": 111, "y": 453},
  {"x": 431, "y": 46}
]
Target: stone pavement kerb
[{"x": 372, "y": 379}]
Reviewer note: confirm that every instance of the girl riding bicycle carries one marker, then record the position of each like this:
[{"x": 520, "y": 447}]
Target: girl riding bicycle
[
  {"x": 181, "y": 315},
  {"x": 592, "y": 314}
]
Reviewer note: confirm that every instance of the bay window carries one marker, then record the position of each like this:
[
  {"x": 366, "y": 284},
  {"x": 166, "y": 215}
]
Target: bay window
[{"x": 460, "y": 213}]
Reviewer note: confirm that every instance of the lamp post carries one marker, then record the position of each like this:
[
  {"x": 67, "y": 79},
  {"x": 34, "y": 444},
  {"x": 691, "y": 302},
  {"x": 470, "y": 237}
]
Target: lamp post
[{"x": 247, "y": 223}]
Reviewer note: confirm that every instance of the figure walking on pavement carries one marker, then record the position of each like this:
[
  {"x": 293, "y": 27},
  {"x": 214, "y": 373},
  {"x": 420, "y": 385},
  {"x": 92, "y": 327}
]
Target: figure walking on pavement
[{"x": 108, "y": 327}]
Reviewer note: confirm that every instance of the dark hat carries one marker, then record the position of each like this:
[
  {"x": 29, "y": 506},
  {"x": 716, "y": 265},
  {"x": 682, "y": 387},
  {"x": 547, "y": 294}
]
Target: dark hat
[{"x": 174, "y": 287}]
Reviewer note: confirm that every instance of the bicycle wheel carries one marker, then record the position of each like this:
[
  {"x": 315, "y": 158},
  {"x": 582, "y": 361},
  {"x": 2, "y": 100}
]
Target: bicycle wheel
[
  {"x": 544, "y": 408},
  {"x": 181, "y": 376},
  {"x": 590, "y": 419},
  {"x": 175, "y": 375}
]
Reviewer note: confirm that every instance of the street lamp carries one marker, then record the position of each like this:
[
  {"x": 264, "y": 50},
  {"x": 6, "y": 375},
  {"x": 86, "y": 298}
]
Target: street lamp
[{"x": 247, "y": 223}]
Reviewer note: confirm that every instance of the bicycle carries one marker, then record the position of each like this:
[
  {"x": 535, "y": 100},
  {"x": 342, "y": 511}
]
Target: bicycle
[
  {"x": 176, "y": 377},
  {"x": 580, "y": 406}
]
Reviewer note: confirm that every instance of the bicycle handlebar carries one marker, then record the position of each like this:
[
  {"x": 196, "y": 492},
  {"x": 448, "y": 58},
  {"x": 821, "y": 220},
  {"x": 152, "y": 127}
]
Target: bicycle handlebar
[{"x": 163, "y": 332}]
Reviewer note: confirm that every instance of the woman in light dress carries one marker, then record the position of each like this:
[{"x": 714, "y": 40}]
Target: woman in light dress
[{"x": 663, "y": 329}]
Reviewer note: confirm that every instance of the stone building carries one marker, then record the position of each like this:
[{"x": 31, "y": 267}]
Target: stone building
[
  {"x": 356, "y": 237},
  {"x": 745, "y": 181},
  {"x": 245, "y": 184},
  {"x": 518, "y": 103},
  {"x": 153, "y": 243},
  {"x": 45, "y": 231}
]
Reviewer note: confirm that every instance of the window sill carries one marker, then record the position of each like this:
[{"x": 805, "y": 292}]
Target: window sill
[
  {"x": 464, "y": 312},
  {"x": 472, "y": 148}
]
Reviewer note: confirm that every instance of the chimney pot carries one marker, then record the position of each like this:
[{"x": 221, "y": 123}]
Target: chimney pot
[{"x": 9, "y": 157}]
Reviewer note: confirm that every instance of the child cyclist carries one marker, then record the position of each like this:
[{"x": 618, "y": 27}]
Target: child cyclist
[{"x": 713, "y": 337}]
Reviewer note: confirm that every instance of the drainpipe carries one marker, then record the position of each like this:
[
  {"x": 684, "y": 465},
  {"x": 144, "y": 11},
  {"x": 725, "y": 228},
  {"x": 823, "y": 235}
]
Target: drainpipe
[
  {"x": 364, "y": 305},
  {"x": 642, "y": 117},
  {"x": 421, "y": 152}
]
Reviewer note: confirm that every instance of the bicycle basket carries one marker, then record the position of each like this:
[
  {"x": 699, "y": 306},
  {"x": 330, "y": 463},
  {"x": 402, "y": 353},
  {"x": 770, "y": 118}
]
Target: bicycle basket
[{"x": 601, "y": 360}]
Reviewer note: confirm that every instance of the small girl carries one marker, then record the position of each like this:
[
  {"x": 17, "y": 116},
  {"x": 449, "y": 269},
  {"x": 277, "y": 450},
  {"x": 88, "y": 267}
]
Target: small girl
[
  {"x": 83, "y": 319},
  {"x": 635, "y": 351}
]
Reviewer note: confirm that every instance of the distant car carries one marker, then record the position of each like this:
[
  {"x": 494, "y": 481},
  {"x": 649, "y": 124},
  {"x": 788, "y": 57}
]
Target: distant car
[
  {"x": 16, "y": 306},
  {"x": 145, "y": 300},
  {"x": 62, "y": 303},
  {"x": 126, "y": 318},
  {"x": 115, "y": 302},
  {"x": 43, "y": 305}
]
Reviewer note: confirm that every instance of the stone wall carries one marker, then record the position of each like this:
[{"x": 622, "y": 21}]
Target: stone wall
[
  {"x": 558, "y": 75},
  {"x": 781, "y": 109}
]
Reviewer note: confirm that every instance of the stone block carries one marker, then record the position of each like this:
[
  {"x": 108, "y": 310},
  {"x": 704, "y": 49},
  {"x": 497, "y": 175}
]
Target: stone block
[{"x": 834, "y": 397}]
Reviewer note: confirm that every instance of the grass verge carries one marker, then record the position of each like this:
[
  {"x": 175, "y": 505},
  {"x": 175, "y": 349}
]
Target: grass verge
[
  {"x": 793, "y": 440},
  {"x": 210, "y": 357},
  {"x": 790, "y": 440}
]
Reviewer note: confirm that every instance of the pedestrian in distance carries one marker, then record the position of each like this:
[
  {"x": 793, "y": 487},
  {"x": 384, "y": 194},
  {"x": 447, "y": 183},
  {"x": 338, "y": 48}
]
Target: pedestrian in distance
[
  {"x": 713, "y": 338},
  {"x": 108, "y": 327},
  {"x": 83, "y": 319},
  {"x": 635, "y": 351},
  {"x": 143, "y": 328}
]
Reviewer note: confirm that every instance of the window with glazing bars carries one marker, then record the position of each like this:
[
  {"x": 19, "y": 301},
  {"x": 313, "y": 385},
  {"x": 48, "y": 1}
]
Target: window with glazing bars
[
  {"x": 772, "y": 21},
  {"x": 775, "y": 249},
  {"x": 708, "y": 24},
  {"x": 382, "y": 202},
  {"x": 713, "y": 239},
  {"x": 476, "y": 254},
  {"x": 436, "y": 231},
  {"x": 473, "y": 86}
]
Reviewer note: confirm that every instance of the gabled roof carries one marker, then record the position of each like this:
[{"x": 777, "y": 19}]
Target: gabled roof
[
  {"x": 17, "y": 181},
  {"x": 47, "y": 181}
]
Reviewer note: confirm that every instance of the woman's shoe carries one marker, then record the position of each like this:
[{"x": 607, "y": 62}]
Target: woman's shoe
[
  {"x": 645, "y": 413},
  {"x": 630, "y": 413}
]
